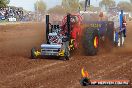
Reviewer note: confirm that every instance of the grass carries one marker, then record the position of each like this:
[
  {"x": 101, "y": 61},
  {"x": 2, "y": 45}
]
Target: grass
[{"x": 3, "y": 21}]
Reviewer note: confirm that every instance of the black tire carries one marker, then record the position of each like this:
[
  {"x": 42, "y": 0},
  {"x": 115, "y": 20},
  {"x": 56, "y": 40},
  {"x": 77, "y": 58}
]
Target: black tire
[
  {"x": 67, "y": 55},
  {"x": 67, "y": 51},
  {"x": 33, "y": 56},
  {"x": 109, "y": 37},
  {"x": 88, "y": 41},
  {"x": 67, "y": 58},
  {"x": 108, "y": 43}
]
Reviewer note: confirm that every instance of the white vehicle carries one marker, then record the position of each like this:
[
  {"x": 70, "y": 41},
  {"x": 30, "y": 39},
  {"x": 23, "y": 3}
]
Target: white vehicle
[{"x": 12, "y": 19}]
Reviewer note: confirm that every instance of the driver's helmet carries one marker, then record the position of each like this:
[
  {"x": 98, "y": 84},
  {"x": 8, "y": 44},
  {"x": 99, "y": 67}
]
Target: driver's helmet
[{"x": 73, "y": 19}]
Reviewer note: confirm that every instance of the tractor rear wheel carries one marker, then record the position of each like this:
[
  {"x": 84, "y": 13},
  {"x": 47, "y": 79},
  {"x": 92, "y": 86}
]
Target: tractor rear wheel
[
  {"x": 67, "y": 51},
  {"x": 108, "y": 41},
  {"x": 91, "y": 41},
  {"x": 110, "y": 33}
]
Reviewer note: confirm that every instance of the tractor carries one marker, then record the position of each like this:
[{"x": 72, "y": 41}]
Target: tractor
[
  {"x": 62, "y": 39},
  {"x": 97, "y": 32}
]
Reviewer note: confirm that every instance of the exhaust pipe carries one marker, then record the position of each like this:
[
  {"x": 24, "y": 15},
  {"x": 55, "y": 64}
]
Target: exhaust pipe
[
  {"x": 47, "y": 28},
  {"x": 68, "y": 25}
]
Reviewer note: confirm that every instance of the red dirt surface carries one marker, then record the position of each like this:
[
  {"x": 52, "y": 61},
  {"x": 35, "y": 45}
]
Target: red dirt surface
[{"x": 17, "y": 70}]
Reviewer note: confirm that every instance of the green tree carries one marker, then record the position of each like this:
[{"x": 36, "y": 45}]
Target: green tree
[
  {"x": 71, "y": 5},
  {"x": 82, "y": 5},
  {"x": 107, "y": 4},
  {"x": 91, "y": 8},
  {"x": 131, "y": 1},
  {"x": 40, "y": 6},
  {"x": 4, "y": 3},
  {"x": 57, "y": 9},
  {"x": 124, "y": 5}
]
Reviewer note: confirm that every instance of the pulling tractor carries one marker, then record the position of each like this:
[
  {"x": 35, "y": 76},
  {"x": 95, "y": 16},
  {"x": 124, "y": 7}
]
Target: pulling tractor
[
  {"x": 60, "y": 39},
  {"x": 110, "y": 33},
  {"x": 64, "y": 38}
]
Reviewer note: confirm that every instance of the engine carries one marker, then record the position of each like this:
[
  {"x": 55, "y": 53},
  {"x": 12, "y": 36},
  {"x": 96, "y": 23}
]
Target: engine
[{"x": 55, "y": 37}]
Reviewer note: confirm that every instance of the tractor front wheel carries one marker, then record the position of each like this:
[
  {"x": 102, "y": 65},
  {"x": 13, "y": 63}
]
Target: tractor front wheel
[{"x": 33, "y": 56}]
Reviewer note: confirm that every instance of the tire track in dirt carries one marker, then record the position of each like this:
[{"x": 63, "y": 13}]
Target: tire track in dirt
[
  {"x": 125, "y": 51},
  {"x": 42, "y": 76},
  {"x": 116, "y": 68},
  {"x": 16, "y": 64},
  {"x": 33, "y": 72},
  {"x": 96, "y": 60},
  {"x": 118, "y": 76},
  {"x": 30, "y": 78},
  {"x": 24, "y": 73},
  {"x": 121, "y": 73},
  {"x": 106, "y": 71},
  {"x": 43, "y": 73}
]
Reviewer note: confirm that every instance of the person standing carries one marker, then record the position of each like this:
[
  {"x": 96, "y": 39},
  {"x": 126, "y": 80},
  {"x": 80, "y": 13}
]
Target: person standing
[{"x": 124, "y": 26}]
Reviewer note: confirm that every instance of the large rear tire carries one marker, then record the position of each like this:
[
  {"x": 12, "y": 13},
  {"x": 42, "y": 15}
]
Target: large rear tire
[
  {"x": 110, "y": 33},
  {"x": 108, "y": 42},
  {"x": 67, "y": 51},
  {"x": 91, "y": 41}
]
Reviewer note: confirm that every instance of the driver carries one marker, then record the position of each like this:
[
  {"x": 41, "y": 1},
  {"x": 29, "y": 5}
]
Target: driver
[
  {"x": 124, "y": 25},
  {"x": 73, "y": 20}
]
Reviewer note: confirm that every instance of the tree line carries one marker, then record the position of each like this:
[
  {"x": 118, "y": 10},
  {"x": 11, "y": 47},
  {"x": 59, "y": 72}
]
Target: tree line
[
  {"x": 4, "y": 3},
  {"x": 76, "y": 5}
]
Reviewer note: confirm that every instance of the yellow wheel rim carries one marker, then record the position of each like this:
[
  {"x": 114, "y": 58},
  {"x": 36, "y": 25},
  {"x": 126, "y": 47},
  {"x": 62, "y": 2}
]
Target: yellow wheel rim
[{"x": 96, "y": 42}]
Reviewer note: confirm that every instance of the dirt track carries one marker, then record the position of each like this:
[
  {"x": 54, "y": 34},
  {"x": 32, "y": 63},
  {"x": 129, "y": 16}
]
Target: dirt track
[{"x": 17, "y": 70}]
